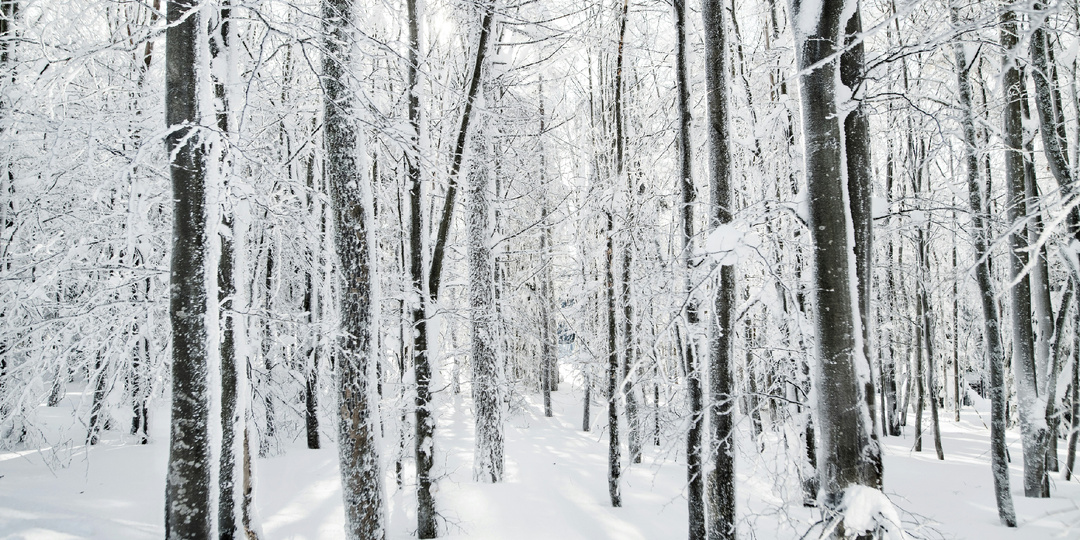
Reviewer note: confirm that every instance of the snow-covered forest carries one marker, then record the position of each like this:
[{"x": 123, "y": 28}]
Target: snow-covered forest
[{"x": 635, "y": 269}]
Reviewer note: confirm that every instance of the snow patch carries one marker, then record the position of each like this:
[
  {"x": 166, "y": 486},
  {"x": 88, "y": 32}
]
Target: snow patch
[
  {"x": 866, "y": 509},
  {"x": 727, "y": 244}
]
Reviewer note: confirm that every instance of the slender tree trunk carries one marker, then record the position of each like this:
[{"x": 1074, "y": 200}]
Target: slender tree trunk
[
  {"x": 425, "y": 420},
  {"x": 488, "y": 452},
  {"x": 267, "y": 348},
  {"x": 892, "y": 417},
  {"x": 614, "y": 466},
  {"x": 1074, "y": 431},
  {"x": 351, "y": 193},
  {"x": 1054, "y": 370},
  {"x": 614, "y": 458},
  {"x": 920, "y": 371},
  {"x": 424, "y": 438},
  {"x": 1055, "y": 145},
  {"x": 721, "y": 476},
  {"x": 97, "y": 403},
  {"x": 687, "y": 195},
  {"x": 633, "y": 420},
  {"x": 312, "y": 305},
  {"x": 860, "y": 192},
  {"x": 188, "y": 511},
  {"x": 991, "y": 334},
  {"x": 956, "y": 330},
  {"x": 1032, "y": 420},
  {"x": 548, "y": 355},
  {"x": 928, "y": 338},
  {"x": 231, "y": 494}
]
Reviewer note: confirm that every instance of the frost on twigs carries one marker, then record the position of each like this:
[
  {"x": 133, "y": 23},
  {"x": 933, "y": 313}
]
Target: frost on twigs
[
  {"x": 864, "y": 512},
  {"x": 727, "y": 245}
]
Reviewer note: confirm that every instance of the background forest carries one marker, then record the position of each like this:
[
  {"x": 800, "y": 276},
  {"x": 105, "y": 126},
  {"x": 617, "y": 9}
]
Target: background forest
[{"x": 744, "y": 258}]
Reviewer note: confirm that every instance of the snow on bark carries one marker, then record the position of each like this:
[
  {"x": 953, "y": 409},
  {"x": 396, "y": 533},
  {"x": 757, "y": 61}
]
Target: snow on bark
[
  {"x": 991, "y": 337},
  {"x": 188, "y": 494},
  {"x": 1032, "y": 407},
  {"x": 694, "y": 476},
  {"x": 351, "y": 203},
  {"x": 488, "y": 451},
  {"x": 720, "y": 484},
  {"x": 843, "y": 420}
]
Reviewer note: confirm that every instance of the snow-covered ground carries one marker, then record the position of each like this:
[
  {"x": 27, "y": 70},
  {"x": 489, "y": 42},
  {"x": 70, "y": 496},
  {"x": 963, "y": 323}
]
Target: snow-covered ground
[{"x": 555, "y": 486}]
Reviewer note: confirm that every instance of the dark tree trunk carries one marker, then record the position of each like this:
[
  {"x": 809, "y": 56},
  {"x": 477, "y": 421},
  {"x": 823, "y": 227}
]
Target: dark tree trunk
[
  {"x": 188, "y": 511},
  {"x": 350, "y": 196},
  {"x": 920, "y": 365},
  {"x": 1074, "y": 431},
  {"x": 991, "y": 335},
  {"x": 928, "y": 339},
  {"x": 891, "y": 415},
  {"x": 267, "y": 348},
  {"x": 860, "y": 191},
  {"x": 312, "y": 305},
  {"x": 694, "y": 474},
  {"x": 1032, "y": 424},
  {"x": 721, "y": 477},
  {"x": 614, "y": 458},
  {"x": 841, "y": 408},
  {"x": 97, "y": 403}
]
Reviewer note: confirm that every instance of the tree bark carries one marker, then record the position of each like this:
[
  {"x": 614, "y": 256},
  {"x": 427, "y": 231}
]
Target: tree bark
[
  {"x": 1070, "y": 456},
  {"x": 843, "y": 423},
  {"x": 188, "y": 512},
  {"x": 687, "y": 195},
  {"x": 351, "y": 195},
  {"x": 614, "y": 458},
  {"x": 860, "y": 183},
  {"x": 488, "y": 451},
  {"x": 424, "y": 438},
  {"x": 721, "y": 476},
  {"x": 928, "y": 339},
  {"x": 1033, "y": 428},
  {"x": 991, "y": 325}
]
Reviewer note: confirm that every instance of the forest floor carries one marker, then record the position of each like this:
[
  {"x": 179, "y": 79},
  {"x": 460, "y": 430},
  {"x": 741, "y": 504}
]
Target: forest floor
[{"x": 555, "y": 486}]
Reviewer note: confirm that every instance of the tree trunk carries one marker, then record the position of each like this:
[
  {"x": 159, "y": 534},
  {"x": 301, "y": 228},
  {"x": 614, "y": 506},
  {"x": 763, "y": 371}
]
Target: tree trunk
[
  {"x": 97, "y": 403},
  {"x": 1032, "y": 420},
  {"x": 1070, "y": 456},
  {"x": 991, "y": 325},
  {"x": 860, "y": 183},
  {"x": 549, "y": 353},
  {"x": 614, "y": 458},
  {"x": 956, "y": 332},
  {"x": 920, "y": 372},
  {"x": 928, "y": 338},
  {"x": 687, "y": 195},
  {"x": 424, "y": 438},
  {"x": 233, "y": 416},
  {"x": 842, "y": 420},
  {"x": 721, "y": 476},
  {"x": 892, "y": 416},
  {"x": 266, "y": 442},
  {"x": 351, "y": 195},
  {"x": 188, "y": 512},
  {"x": 488, "y": 452},
  {"x": 312, "y": 305}
]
